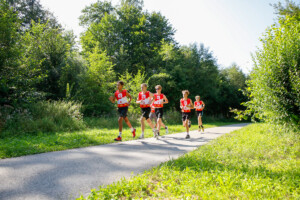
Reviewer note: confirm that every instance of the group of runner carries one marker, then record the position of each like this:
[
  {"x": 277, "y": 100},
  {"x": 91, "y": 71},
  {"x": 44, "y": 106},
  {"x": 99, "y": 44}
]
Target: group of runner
[{"x": 152, "y": 108}]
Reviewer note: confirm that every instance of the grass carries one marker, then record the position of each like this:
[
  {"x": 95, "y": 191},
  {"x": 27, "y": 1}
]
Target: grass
[
  {"x": 99, "y": 131},
  {"x": 256, "y": 162}
]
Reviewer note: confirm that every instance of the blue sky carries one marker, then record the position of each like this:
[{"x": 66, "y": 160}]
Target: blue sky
[{"x": 230, "y": 28}]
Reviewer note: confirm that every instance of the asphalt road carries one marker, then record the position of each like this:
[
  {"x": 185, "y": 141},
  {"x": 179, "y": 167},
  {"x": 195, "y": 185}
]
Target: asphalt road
[{"x": 69, "y": 174}]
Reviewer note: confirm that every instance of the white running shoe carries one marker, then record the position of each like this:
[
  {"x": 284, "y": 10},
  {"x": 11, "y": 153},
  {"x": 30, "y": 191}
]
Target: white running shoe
[{"x": 141, "y": 137}]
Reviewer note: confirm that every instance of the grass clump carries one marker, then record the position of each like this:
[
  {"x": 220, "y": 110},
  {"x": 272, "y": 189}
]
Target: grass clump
[
  {"x": 44, "y": 117},
  {"x": 256, "y": 162}
]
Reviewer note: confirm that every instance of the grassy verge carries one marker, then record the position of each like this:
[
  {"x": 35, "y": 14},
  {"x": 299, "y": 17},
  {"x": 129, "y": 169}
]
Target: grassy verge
[
  {"x": 255, "y": 162},
  {"x": 99, "y": 131}
]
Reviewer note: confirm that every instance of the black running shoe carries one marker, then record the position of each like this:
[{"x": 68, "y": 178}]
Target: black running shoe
[{"x": 187, "y": 137}]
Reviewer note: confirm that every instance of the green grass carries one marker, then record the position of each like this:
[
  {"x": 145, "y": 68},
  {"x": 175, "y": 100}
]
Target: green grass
[
  {"x": 256, "y": 162},
  {"x": 100, "y": 131}
]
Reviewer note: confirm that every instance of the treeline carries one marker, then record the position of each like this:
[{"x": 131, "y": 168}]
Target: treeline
[{"x": 39, "y": 60}]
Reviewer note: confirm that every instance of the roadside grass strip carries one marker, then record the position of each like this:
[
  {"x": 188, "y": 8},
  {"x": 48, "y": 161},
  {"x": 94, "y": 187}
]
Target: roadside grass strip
[
  {"x": 28, "y": 144},
  {"x": 255, "y": 162}
]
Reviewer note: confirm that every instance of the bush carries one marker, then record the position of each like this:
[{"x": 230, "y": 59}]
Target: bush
[
  {"x": 45, "y": 116},
  {"x": 275, "y": 82}
]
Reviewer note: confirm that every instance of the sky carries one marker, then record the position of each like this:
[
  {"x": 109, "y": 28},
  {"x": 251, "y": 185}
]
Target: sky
[{"x": 230, "y": 28}]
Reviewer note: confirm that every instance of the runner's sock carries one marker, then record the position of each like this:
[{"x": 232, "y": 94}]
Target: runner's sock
[
  {"x": 120, "y": 134},
  {"x": 142, "y": 133},
  {"x": 132, "y": 129}
]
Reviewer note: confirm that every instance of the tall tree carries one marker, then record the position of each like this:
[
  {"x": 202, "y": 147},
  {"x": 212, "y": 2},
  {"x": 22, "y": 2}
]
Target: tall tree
[
  {"x": 129, "y": 35},
  {"x": 32, "y": 10},
  {"x": 9, "y": 50}
]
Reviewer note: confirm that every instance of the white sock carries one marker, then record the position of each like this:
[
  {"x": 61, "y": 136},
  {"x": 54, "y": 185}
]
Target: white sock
[
  {"x": 132, "y": 129},
  {"x": 187, "y": 133},
  {"x": 143, "y": 133},
  {"x": 120, "y": 134},
  {"x": 154, "y": 129}
]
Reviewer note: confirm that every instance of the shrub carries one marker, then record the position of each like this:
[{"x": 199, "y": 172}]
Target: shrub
[
  {"x": 275, "y": 82},
  {"x": 45, "y": 116}
]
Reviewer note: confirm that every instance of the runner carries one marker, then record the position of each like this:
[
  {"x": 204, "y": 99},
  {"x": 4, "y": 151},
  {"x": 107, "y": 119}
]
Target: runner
[
  {"x": 152, "y": 117},
  {"x": 186, "y": 105},
  {"x": 144, "y": 101},
  {"x": 159, "y": 100},
  {"x": 199, "y": 106},
  {"x": 123, "y": 103}
]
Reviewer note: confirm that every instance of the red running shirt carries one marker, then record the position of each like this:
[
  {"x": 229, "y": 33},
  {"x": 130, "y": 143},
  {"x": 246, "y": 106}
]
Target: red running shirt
[
  {"x": 184, "y": 104},
  {"x": 198, "y": 105},
  {"x": 158, "y": 101},
  {"x": 145, "y": 97},
  {"x": 121, "y": 98}
]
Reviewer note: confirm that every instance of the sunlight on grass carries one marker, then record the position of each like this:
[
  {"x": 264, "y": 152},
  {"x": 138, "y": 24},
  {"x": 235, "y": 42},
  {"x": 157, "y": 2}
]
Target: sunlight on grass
[
  {"x": 27, "y": 144},
  {"x": 255, "y": 162}
]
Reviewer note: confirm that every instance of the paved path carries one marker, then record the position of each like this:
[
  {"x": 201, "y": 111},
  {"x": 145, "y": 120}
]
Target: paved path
[{"x": 68, "y": 174}]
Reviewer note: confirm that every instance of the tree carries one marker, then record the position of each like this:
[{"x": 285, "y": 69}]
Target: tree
[
  {"x": 32, "y": 10},
  {"x": 130, "y": 36},
  {"x": 289, "y": 9},
  {"x": 232, "y": 83},
  {"x": 96, "y": 84},
  {"x": 274, "y": 84},
  {"x": 9, "y": 50},
  {"x": 95, "y": 12}
]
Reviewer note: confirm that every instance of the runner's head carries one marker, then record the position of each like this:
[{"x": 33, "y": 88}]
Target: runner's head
[
  {"x": 144, "y": 87},
  {"x": 185, "y": 93},
  {"x": 158, "y": 88},
  {"x": 197, "y": 98},
  {"x": 120, "y": 85}
]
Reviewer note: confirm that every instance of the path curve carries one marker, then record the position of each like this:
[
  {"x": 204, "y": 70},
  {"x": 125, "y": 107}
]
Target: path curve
[{"x": 71, "y": 173}]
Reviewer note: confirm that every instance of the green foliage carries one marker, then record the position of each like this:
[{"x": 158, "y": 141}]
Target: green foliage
[
  {"x": 232, "y": 84},
  {"x": 9, "y": 50},
  {"x": 255, "y": 162},
  {"x": 130, "y": 36},
  {"x": 44, "y": 117},
  {"x": 274, "y": 87},
  {"x": 95, "y": 12},
  {"x": 32, "y": 10},
  {"x": 133, "y": 85},
  {"x": 96, "y": 83},
  {"x": 290, "y": 9}
]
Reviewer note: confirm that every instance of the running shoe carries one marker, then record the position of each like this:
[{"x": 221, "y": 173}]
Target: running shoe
[
  {"x": 118, "y": 138},
  {"x": 187, "y": 137},
  {"x": 156, "y": 136},
  {"x": 141, "y": 137},
  {"x": 167, "y": 130},
  {"x": 199, "y": 130},
  {"x": 133, "y": 133}
]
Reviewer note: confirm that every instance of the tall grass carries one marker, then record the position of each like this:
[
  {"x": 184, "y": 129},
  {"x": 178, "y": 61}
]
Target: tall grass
[{"x": 45, "y": 116}]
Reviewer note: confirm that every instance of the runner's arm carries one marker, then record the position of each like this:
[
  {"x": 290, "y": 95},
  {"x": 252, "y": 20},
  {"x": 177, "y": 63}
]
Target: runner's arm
[
  {"x": 129, "y": 96},
  {"x": 112, "y": 99},
  {"x": 166, "y": 100},
  {"x": 191, "y": 105},
  {"x": 137, "y": 101}
]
